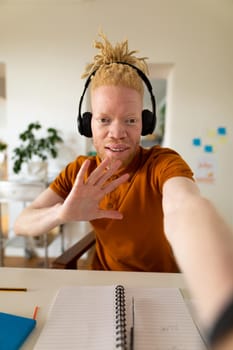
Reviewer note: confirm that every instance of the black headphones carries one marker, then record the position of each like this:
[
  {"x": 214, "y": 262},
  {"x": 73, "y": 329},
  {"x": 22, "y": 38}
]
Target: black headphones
[{"x": 148, "y": 117}]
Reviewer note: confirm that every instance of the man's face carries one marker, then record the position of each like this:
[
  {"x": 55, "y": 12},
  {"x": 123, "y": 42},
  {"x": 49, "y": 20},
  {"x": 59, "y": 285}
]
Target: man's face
[{"x": 116, "y": 122}]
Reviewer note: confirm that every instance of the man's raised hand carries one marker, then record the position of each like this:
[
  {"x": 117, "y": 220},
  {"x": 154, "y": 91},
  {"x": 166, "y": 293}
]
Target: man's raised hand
[{"x": 82, "y": 203}]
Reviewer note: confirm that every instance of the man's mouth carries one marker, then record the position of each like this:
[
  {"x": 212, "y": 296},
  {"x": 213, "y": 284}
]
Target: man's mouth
[{"x": 118, "y": 148}]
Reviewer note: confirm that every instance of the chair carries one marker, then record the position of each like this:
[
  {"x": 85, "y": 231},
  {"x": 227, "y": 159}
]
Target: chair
[
  {"x": 69, "y": 259},
  {"x": 24, "y": 192}
]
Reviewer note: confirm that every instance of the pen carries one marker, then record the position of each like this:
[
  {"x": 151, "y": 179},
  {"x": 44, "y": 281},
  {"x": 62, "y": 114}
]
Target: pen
[
  {"x": 132, "y": 327},
  {"x": 5, "y": 289}
]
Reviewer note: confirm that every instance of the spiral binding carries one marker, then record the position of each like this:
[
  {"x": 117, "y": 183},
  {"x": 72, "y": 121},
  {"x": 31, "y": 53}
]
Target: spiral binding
[{"x": 121, "y": 336}]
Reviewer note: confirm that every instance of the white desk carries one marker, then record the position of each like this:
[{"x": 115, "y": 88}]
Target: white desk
[{"x": 42, "y": 285}]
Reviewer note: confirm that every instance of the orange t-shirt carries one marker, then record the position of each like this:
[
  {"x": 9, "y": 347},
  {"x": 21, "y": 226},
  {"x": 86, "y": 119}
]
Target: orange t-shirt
[{"x": 137, "y": 242}]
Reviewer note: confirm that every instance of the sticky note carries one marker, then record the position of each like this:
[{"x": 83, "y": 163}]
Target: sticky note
[
  {"x": 196, "y": 141},
  {"x": 208, "y": 148},
  {"x": 211, "y": 133},
  {"x": 222, "y": 131}
]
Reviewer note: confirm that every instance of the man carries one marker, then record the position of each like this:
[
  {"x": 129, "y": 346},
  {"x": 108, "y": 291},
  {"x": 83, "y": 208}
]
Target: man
[
  {"x": 129, "y": 194},
  {"x": 139, "y": 201}
]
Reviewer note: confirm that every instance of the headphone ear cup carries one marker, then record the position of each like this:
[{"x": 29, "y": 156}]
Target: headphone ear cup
[
  {"x": 148, "y": 122},
  {"x": 84, "y": 124}
]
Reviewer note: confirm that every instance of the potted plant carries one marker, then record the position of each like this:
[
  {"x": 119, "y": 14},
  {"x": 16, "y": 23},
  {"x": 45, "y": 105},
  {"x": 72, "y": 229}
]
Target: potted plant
[
  {"x": 35, "y": 149},
  {"x": 3, "y": 146}
]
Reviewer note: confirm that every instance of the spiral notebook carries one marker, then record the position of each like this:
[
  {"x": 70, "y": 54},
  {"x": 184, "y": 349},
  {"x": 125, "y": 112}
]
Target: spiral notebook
[{"x": 101, "y": 318}]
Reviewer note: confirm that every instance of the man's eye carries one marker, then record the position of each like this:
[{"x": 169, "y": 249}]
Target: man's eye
[
  {"x": 131, "y": 121},
  {"x": 104, "y": 120}
]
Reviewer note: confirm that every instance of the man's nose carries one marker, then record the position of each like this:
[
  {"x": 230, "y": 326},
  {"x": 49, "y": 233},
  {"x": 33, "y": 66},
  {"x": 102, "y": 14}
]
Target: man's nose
[{"x": 117, "y": 129}]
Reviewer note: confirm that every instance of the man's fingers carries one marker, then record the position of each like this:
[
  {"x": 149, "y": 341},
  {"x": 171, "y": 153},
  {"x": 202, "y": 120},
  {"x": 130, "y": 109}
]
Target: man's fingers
[
  {"x": 81, "y": 174},
  {"x": 103, "y": 172},
  {"x": 115, "y": 183},
  {"x": 108, "y": 173},
  {"x": 97, "y": 179}
]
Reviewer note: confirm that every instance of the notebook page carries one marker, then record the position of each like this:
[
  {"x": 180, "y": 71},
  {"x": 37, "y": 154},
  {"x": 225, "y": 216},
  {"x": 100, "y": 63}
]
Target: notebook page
[
  {"x": 80, "y": 318},
  {"x": 162, "y": 320}
]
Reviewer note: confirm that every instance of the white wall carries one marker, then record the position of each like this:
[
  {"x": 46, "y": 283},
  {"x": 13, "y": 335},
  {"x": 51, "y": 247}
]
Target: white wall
[{"x": 45, "y": 45}]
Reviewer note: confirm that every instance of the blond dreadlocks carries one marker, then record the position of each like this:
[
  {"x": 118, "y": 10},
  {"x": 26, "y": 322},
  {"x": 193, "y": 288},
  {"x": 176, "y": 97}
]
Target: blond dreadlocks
[{"x": 108, "y": 67}]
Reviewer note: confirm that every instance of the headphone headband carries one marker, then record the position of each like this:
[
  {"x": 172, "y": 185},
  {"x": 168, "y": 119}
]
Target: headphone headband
[{"x": 84, "y": 120}]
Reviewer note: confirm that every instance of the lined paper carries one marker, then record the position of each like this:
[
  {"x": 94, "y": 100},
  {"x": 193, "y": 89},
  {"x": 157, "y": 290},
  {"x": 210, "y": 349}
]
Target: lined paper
[
  {"x": 80, "y": 318},
  {"x": 162, "y": 320},
  {"x": 83, "y": 318}
]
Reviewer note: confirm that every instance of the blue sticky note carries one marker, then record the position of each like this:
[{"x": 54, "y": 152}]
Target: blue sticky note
[
  {"x": 197, "y": 142},
  {"x": 221, "y": 131},
  {"x": 208, "y": 148}
]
